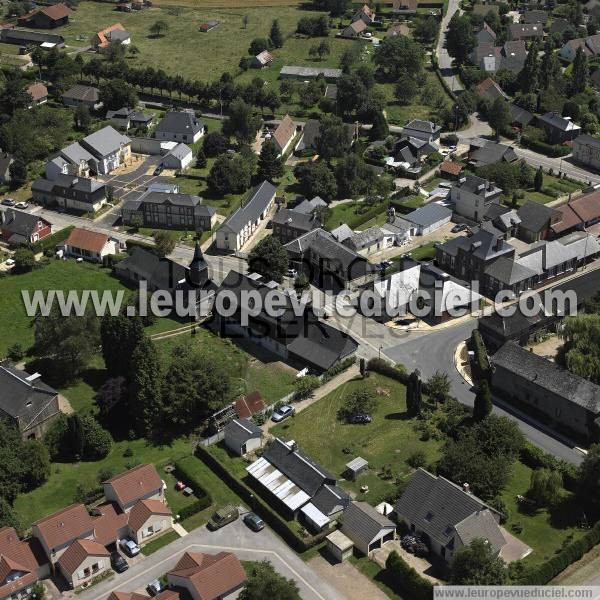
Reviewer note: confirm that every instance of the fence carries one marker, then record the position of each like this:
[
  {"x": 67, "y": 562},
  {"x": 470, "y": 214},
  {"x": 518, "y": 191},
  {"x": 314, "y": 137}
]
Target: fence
[{"x": 213, "y": 439}]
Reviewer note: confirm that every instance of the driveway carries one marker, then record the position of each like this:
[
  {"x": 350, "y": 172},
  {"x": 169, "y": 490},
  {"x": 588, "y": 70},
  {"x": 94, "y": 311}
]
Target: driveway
[{"x": 236, "y": 538}]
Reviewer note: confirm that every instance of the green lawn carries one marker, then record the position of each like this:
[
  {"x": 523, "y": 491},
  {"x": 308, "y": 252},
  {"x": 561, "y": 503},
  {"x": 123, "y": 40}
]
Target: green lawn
[
  {"x": 59, "y": 490},
  {"x": 184, "y": 49},
  {"x": 544, "y": 531},
  {"x": 424, "y": 252},
  {"x": 161, "y": 542},
  {"x": 553, "y": 188},
  {"x": 16, "y": 326},
  {"x": 389, "y": 440},
  {"x": 271, "y": 379}
]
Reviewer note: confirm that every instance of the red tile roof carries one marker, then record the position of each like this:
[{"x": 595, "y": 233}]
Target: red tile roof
[
  {"x": 87, "y": 240},
  {"x": 246, "y": 406},
  {"x": 65, "y": 525},
  {"x": 211, "y": 575},
  {"x": 135, "y": 484},
  {"x": 108, "y": 524},
  {"x": 569, "y": 219},
  {"x": 143, "y": 510},
  {"x": 128, "y": 596},
  {"x": 451, "y": 167},
  {"x": 57, "y": 11},
  {"x": 37, "y": 91},
  {"x": 587, "y": 206},
  {"x": 79, "y": 551},
  {"x": 102, "y": 40}
]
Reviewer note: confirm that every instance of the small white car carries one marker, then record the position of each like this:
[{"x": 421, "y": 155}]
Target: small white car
[
  {"x": 292, "y": 273},
  {"x": 129, "y": 547},
  {"x": 9, "y": 262},
  {"x": 22, "y": 205}
]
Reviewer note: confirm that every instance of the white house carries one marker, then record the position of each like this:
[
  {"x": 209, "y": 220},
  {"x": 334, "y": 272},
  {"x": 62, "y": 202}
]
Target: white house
[
  {"x": 239, "y": 226},
  {"x": 90, "y": 245},
  {"x": 178, "y": 158},
  {"x": 179, "y": 126},
  {"x": 82, "y": 561}
]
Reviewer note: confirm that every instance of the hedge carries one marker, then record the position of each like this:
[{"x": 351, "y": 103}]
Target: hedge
[
  {"x": 358, "y": 219},
  {"x": 383, "y": 367},
  {"x": 51, "y": 241},
  {"x": 482, "y": 361},
  {"x": 257, "y": 504},
  {"x": 547, "y": 149},
  {"x": 183, "y": 473},
  {"x": 407, "y": 579},
  {"x": 542, "y": 574},
  {"x": 536, "y": 458},
  {"x": 337, "y": 369}
]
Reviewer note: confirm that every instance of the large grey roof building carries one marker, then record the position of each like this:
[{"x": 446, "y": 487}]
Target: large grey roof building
[{"x": 180, "y": 126}]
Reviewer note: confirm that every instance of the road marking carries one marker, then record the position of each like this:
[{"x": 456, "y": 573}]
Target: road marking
[{"x": 229, "y": 549}]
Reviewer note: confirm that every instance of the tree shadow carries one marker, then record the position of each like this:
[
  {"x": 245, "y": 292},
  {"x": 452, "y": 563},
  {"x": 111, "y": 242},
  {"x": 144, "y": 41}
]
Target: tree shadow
[
  {"x": 566, "y": 513},
  {"x": 398, "y": 416}
]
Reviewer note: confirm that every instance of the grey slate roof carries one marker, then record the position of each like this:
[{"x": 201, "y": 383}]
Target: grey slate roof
[
  {"x": 364, "y": 239},
  {"x": 307, "y": 206},
  {"x": 443, "y": 509},
  {"x": 291, "y": 71},
  {"x": 361, "y": 522},
  {"x": 588, "y": 140},
  {"x": 482, "y": 244},
  {"x": 105, "y": 141},
  {"x": 307, "y": 474},
  {"x": 509, "y": 271},
  {"x": 82, "y": 92},
  {"x": 239, "y": 431},
  {"x": 331, "y": 499},
  {"x": 180, "y": 122},
  {"x": 160, "y": 273},
  {"x": 20, "y": 223},
  {"x": 293, "y": 218},
  {"x": 492, "y": 153},
  {"x": 556, "y": 121},
  {"x": 429, "y": 214},
  {"x": 535, "y": 216},
  {"x": 175, "y": 200},
  {"x": 75, "y": 153},
  {"x": 21, "y": 399},
  {"x": 342, "y": 233},
  {"x": 548, "y": 375},
  {"x": 251, "y": 208},
  {"x": 520, "y": 115}
]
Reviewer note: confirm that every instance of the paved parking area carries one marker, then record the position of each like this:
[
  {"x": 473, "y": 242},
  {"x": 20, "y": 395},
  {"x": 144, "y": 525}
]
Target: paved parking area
[{"x": 236, "y": 538}]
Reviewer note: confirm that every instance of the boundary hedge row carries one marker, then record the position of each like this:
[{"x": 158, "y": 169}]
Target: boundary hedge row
[
  {"x": 257, "y": 504},
  {"x": 51, "y": 241},
  {"x": 383, "y": 367},
  {"x": 536, "y": 458},
  {"x": 555, "y": 151},
  {"x": 407, "y": 579},
  {"x": 482, "y": 361}
]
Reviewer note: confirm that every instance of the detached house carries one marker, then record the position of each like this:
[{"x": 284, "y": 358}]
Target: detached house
[
  {"x": 262, "y": 60},
  {"x": 114, "y": 34},
  {"x": 239, "y": 226},
  {"x": 26, "y": 402},
  {"x": 526, "y": 31},
  {"x": 365, "y": 13},
  {"x": 422, "y": 130},
  {"x": 19, "y": 227},
  {"x": 82, "y": 95},
  {"x": 485, "y": 34},
  {"x": 447, "y": 515},
  {"x": 558, "y": 129},
  {"x": 179, "y": 126},
  {"x": 488, "y": 89},
  {"x": 139, "y": 483},
  {"x": 354, "y": 29},
  {"x": 284, "y": 135},
  {"x": 90, "y": 245},
  {"x": 589, "y": 45},
  {"x": 47, "y": 17},
  {"x": 586, "y": 151},
  {"x": 473, "y": 196},
  {"x": 82, "y": 561},
  {"x": 39, "y": 94}
]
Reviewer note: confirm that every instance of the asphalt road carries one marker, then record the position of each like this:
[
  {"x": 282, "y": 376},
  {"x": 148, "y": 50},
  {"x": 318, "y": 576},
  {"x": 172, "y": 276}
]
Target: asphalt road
[
  {"x": 435, "y": 352},
  {"x": 236, "y": 538},
  {"x": 449, "y": 73}
]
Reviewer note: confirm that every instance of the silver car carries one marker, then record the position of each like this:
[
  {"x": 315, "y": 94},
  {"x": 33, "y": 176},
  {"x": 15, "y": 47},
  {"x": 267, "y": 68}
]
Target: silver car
[
  {"x": 283, "y": 412},
  {"x": 129, "y": 547}
]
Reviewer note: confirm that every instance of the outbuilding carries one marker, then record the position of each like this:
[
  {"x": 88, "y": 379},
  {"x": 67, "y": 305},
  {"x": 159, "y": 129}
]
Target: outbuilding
[
  {"x": 368, "y": 529},
  {"x": 355, "y": 467},
  {"x": 339, "y": 546},
  {"x": 243, "y": 436}
]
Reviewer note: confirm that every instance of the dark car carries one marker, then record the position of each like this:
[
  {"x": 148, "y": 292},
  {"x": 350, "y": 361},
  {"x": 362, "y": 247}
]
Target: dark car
[
  {"x": 158, "y": 170},
  {"x": 360, "y": 418},
  {"x": 118, "y": 563},
  {"x": 459, "y": 227},
  {"x": 254, "y": 522},
  {"x": 8, "y": 202}
]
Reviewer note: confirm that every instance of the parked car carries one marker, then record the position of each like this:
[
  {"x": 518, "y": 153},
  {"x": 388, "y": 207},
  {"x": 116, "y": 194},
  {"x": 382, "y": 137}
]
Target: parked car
[
  {"x": 118, "y": 563},
  {"x": 224, "y": 516},
  {"x": 158, "y": 170},
  {"x": 8, "y": 202},
  {"x": 129, "y": 547},
  {"x": 9, "y": 262},
  {"x": 283, "y": 412},
  {"x": 459, "y": 227},
  {"x": 155, "y": 587},
  {"x": 360, "y": 418},
  {"x": 292, "y": 273},
  {"x": 254, "y": 522},
  {"x": 22, "y": 205}
]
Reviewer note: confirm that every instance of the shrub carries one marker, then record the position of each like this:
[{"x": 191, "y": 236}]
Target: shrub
[
  {"x": 408, "y": 581},
  {"x": 51, "y": 241},
  {"x": 417, "y": 459},
  {"x": 535, "y": 458}
]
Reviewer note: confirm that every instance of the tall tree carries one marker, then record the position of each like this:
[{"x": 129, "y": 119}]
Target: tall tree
[
  {"x": 400, "y": 54},
  {"x": 159, "y": 28},
  {"x": 270, "y": 163},
  {"x": 18, "y": 173},
  {"x": 264, "y": 582},
  {"x": 414, "y": 397},
  {"x": 477, "y": 564},
  {"x": 164, "y": 243},
  {"x": 499, "y": 116},
  {"x": 119, "y": 336},
  {"x": 589, "y": 478},
  {"x": 580, "y": 352},
  {"x": 460, "y": 38},
  {"x": 546, "y": 486},
  {"x": 483, "y": 406},
  {"x": 438, "y": 386},
  {"x": 145, "y": 394},
  {"x": 316, "y": 179},
  {"x": 275, "y": 35},
  {"x": 528, "y": 78},
  {"x": 269, "y": 258},
  {"x": 580, "y": 75},
  {"x": 242, "y": 123},
  {"x": 333, "y": 138},
  {"x": 379, "y": 129},
  {"x": 538, "y": 182}
]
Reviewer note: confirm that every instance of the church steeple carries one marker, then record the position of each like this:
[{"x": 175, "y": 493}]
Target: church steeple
[{"x": 198, "y": 267}]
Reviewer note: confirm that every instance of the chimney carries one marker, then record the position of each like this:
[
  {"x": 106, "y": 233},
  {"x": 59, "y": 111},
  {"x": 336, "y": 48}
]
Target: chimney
[
  {"x": 466, "y": 488},
  {"x": 498, "y": 245},
  {"x": 491, "y": 185}
]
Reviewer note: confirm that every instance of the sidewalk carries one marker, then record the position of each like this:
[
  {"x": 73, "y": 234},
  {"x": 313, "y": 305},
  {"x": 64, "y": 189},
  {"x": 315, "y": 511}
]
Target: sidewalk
[{"x": 321, "y": 392}]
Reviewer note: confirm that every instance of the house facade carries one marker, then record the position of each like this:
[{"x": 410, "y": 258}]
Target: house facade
[
  {"x": 90, "y": 245},
  {"x": 179, "y": 126},
  {"x": 586, "y": 151},
  {"x": 473, "y": 196},
  {"x": 82, "y": 95},
  {"x": 19, "y": 227},
  {"x": 239, "y": 226},
  {"x": 80, "y": 194}
]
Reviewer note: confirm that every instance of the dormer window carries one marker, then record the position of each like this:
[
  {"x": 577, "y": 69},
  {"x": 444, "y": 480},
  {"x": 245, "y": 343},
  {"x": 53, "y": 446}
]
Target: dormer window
[{"x": 429, "y": 516}]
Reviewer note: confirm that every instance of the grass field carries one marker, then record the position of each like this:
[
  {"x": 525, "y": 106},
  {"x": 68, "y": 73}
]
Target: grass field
[
  {"x": 545, "y": 531},
  {"x": 389, "y": 440},
  {"x": 16, "y": 326},
  {"x": 184, "y": 49},
  {"x": 272, "y": 379}
]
